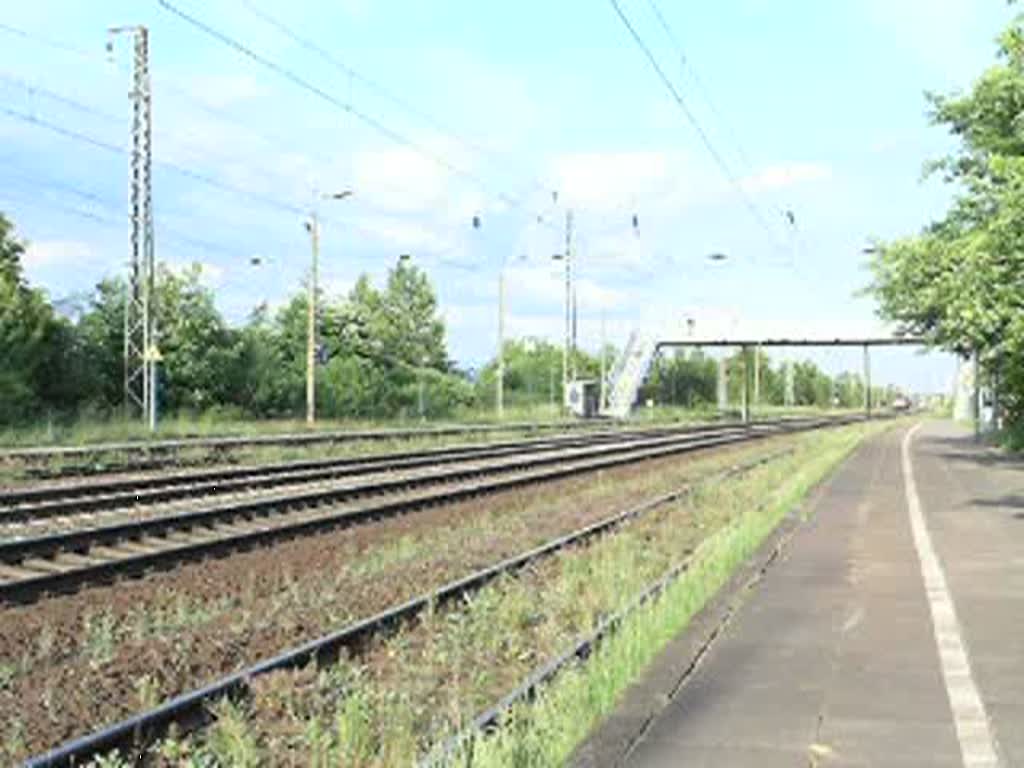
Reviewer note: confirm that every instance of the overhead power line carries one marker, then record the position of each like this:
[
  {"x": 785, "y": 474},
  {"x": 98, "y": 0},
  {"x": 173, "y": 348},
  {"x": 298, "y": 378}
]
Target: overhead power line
[
  {"x": 111, "y": 206},
  {"x": 35, "y": 201},
  {"x": 694, "y": 122},
  {"x": 165, "y": 84},
  {"x": 179, "y": 169},
  {"x": 344, "y": 106},
  {"x": 687, "y": 64},
  {"x": 183, "y": 171},
  {"x": 375, "y": 86},
  {"x": 36, "y": 90},
  {"x": 115, "y": 223}
]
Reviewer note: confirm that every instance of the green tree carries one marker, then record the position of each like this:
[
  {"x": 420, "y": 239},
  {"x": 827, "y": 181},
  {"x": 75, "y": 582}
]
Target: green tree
[
  {"x": 269, "y": 378},
  {"x": 101, "y": 336},
  {"x": 407, "y": 320},
  {"x": 811, "y": 386},
  {"x": 380, "y": 349},
  {"x": 533, "y": 373},
  {"x": 960, "y": 282},
  {"x": 686, "y": 378},
  {"x": 36, "y": 346},
  {"x": 200, "y": 353}
]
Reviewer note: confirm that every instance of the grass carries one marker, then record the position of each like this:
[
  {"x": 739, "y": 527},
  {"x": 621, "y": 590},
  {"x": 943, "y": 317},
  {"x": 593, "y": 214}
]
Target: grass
[
  {"x": 18, "y": 472},
  {"x": 548, "y": 731},
  {"x": 1012, "y": 438},
  {"x": 184, "y": 630},
  {"x": 224, "y": 423},
  {"x": 677, "y": 413},
  {"x": 389, "y": 706},
  {"x": 324, "y": 591}
]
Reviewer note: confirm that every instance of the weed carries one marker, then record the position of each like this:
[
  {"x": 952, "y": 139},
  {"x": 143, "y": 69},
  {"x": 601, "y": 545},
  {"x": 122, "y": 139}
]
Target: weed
[
  {"x": 231, "y": 741},
  {"x": 45, "y": 643},
  {"x": 353, "y": 732},
  {"x": 431, "y": 675},
  {"x": 8, "y": 672},
  {"x": 13, "y": 745},
  {"x": 147, "y": 692},
  {"x": 113, "y": 760},
  {"x": 546, "y": 731},
  {"x": 100, "y": 637}
]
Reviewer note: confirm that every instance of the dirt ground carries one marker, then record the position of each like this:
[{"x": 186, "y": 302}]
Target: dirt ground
[{"x": 73, "y": 663}]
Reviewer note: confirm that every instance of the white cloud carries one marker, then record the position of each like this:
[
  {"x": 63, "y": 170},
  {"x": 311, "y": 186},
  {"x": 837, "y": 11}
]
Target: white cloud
[
  {"x": 605, "y": 181},
  {"x": 939, "y": 34},
  {"x": 542, "y": 284},
  {"x": 58, "y": 253},
  {"x": 783, "y": 176},
  {"x": 398, "y": 179},
  {"x": 210, "y": 274},
  {"x": 403, "y": 233},
  {"x": 619, "y": 250},
  {"x": 226, "y": 90}
]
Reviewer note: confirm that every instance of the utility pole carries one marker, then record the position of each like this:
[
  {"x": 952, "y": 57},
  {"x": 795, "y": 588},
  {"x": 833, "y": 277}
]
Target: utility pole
[
  {"x": 422, "y": 405},
  {"x": 572, "y": 350},
  {"x": 723, "y": 384},
  {"x": 140, "y": 350},
  {"x": 976, "y": 393},
  {"x": 789, "y": 395},
  {"x": 313, "y": 227},
  {"x": 314, "y": 234},
  {"x": 867, "y": 381},
  {"x": 745, "y": 355},
  {"x": 567, "y": 257},
  {"x": 551, "y": 390},
  {"x": 500, "y": 395},
  {"x": 604, "y": 345},
  {"x": 757, "y": 376}
]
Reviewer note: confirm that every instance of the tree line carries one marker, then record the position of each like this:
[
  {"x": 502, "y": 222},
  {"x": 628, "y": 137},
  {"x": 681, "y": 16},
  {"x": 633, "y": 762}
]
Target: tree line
[
  {"x": 533, "y": 370},
  {"x": 960, "y": 281},
  {"x": 383, "y": 351},
  {"x": 383, "y": 354},
  {"x": 690, "y": 379}
]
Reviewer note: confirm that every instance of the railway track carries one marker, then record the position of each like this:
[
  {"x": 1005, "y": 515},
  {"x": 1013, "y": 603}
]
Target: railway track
[
  {"x": 24, "y": 505},
  {"x": 192, "y": 710},
  {"x": 161, "y": 453},
  {"x": 31, "y": 567}
]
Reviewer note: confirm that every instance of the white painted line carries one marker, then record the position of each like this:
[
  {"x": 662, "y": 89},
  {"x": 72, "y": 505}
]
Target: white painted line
[{"x": 977, "y": 742}]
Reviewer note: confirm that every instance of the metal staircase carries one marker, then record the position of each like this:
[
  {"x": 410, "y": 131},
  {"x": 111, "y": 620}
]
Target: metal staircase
[{"x": 628, "y": 375}]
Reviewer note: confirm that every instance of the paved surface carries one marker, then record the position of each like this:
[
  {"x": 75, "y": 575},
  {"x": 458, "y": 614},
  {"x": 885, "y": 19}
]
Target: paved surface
[{"x": 832, "y": 658}]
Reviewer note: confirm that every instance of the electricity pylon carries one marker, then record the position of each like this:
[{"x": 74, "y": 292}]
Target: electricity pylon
[{"x": 140, "y": 350}]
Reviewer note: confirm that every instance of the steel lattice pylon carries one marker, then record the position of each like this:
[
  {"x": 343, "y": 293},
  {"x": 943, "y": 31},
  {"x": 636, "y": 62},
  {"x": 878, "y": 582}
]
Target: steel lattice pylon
[{"x": 139, "y": 315}]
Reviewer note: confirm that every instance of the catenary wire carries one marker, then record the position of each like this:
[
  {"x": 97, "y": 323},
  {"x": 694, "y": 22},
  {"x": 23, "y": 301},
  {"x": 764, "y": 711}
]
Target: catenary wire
[
  {"x": 373, "y": 85},
  {"x": 372, "y": 122},
  {"x": 694, "y": 122}
]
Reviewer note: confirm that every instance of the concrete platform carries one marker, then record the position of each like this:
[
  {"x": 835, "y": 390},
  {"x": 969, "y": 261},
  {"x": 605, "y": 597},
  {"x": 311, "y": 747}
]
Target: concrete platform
[{"x": 832, "y": 659}]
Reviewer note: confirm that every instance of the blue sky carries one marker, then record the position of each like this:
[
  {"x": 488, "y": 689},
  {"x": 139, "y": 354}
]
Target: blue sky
[{"x": 823, "y": 114}]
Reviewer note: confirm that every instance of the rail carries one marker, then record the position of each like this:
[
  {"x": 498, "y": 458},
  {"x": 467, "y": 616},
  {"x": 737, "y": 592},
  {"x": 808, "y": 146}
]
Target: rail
[
  {"x": 150, "y": 447},
  {"x": 130, "y": 736},
  {"x": 57, "y": 562}
]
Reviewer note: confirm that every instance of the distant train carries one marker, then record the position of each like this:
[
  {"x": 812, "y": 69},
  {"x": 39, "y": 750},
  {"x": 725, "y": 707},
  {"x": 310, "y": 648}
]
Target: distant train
[{"x": 901, "y": 403}]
